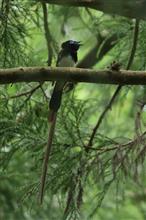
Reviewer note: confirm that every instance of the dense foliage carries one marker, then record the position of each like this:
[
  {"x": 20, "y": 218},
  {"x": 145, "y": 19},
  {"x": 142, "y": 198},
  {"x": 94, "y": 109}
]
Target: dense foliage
[{"x": 97, "y": 165}]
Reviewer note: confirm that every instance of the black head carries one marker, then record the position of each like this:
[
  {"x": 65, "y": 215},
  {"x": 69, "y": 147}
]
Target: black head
[{"x": 71, "y": 45}]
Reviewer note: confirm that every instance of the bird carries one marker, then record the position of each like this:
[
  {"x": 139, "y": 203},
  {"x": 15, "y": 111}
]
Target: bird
[{"x": 67, "y": 57}]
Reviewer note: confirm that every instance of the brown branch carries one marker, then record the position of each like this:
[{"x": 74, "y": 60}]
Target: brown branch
[
  {"x": 28, "y": 97},
  {"x": 132, "y": 9},
  {"x": 44, "y": 93},
  {"x": 47, "y": 33},
  {"x": 101, "y": 48},
  {"x": 138, "y": 118},
  {"x": 74, "y": 186},
  {"x": 134, "y": 44},
  {"x": 131, "y": 58},
  {"x": 69, "y": 199},
  {"x": 90, "y": 59},
  {"x": 120, "y": 146},
  {"x": 108, "y": 107},
  {"x": 41, "y": 74},
  {"x": 52, "y": 125},
  {"x": 5, "y": 9},
  {"x": 25, "y": 93}
]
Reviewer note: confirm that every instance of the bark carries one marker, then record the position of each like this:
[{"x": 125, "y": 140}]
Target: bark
[
  {"x": 127, "y": 8},
  {"x": 41, "y": 74}
]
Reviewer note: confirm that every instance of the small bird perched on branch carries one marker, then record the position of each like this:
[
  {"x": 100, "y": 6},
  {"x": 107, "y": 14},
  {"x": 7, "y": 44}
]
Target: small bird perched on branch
[{"x": 67, "y": 57}]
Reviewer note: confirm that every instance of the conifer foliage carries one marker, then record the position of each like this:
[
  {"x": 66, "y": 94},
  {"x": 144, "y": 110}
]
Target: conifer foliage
[{"x": 99, "y": 146}]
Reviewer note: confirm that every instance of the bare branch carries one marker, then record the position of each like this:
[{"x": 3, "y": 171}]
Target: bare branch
[
  {"x": 100, "y": 49},
  {"x": 102, "y": 116},
  {"x": 26, "y": 93},
  {"x": 41, "y": 74},
  {"x": 131, "y": 143},
  {"x": 47, "y": 34},
  {"x": 117, "y": 91},
  {"x": 129, "y": 8}
]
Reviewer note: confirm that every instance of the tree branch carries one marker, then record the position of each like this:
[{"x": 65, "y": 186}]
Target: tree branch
[
  {"x": 41, "y": 74},
  {"x": 100, "y": 49},
  {"x": 26, "y": 93},
  {"x": 129, "y": 8},
  {"x": 47, "y": 34},
  {"x": 117, "y": 91}
]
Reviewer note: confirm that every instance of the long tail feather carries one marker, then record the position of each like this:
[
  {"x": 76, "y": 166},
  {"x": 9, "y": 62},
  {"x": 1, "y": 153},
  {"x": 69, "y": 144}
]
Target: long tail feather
[
  {"x": 54, "y": 105},
  {"x": 46, "y": 159},
  {"x": 55, "y": 101}
]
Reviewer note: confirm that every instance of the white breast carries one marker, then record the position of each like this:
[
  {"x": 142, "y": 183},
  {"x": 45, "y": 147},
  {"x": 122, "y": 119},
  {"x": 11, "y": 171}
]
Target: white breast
[{"x": 66, "y": 61}]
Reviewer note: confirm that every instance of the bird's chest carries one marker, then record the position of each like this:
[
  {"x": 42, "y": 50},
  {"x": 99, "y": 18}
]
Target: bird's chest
[{"x": 66, "y": 61}]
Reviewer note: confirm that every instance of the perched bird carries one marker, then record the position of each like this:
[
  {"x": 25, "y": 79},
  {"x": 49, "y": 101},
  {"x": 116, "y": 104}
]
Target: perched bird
[{"x": 67, "y": 57}]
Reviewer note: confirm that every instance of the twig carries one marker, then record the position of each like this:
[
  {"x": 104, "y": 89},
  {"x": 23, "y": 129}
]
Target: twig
[
  {"x": 135, "y": 41},
  {"x": 4, "y": 38},
  {"x": 90, "y": 143},
  {"x": 30, "y": 92},
  {"x": 69, "y": 199},
  {"x": 119, "y": 146},
  {"x": 47, "y": 34},
  {"x": 138, "y": 118},
  {"x": 141, "y": 105},
  {"x": 46, "y": 97},
  {"x": 52, "y": 124},
  {"x": 28, "y": 98},
  {"x": 75, "y": 184},
  {"x": 131, "y": 58}
]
